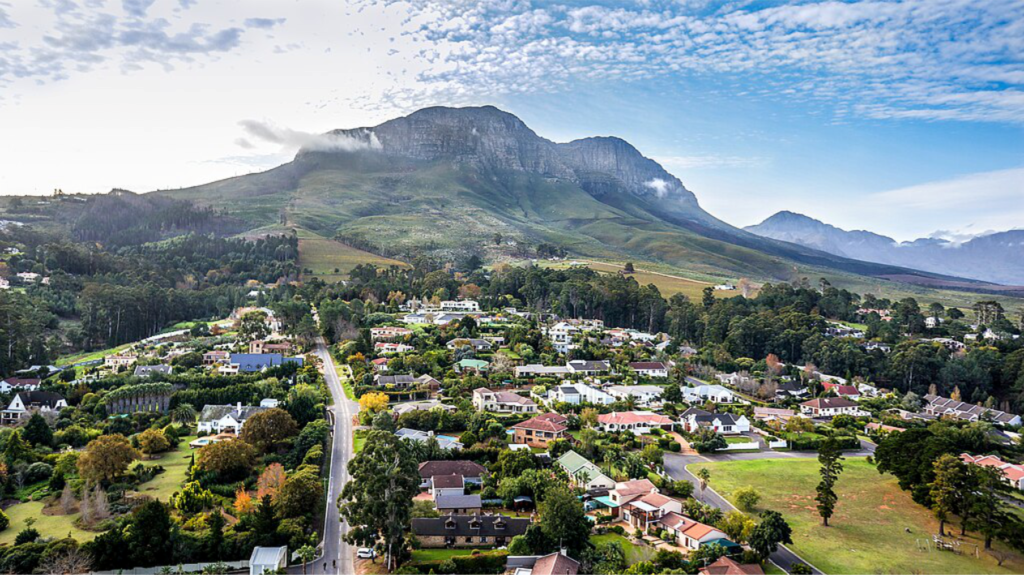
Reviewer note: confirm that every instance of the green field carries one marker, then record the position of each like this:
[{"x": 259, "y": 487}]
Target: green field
[
  {"x": 57, "y": 526},
  {"x": 667, "y": 284},
  {"x": 175, "y": 464},
  {"x": 91, "y": 355},
  {"x": 323, "y": 256},
  {"x": 868, "y": 533}
]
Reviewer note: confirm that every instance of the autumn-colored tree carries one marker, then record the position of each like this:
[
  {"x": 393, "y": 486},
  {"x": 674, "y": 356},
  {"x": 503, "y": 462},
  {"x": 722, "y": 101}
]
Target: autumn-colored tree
[
  {"x": 270, "y": 481},
  {"x": 106, "y": 457},
  {"x": 153, "y": 441},
  {"x": 773, "y": 364},
  {"x": 373, "y": 402},
  {"x": 243, "y": 501},
  {"x": 266, "y": 429},
  {"x": 228, "y": 459},
  {"x": 588, "y": 417}
]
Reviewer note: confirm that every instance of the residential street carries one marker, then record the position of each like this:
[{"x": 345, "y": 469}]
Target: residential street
[{"x": 342, "y": 411}]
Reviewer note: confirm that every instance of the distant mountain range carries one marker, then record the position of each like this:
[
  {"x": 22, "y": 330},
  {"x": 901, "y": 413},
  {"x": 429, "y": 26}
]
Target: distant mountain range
[
  {"x": 996, "y": 257},
  {"x": 445, "y": 181}
]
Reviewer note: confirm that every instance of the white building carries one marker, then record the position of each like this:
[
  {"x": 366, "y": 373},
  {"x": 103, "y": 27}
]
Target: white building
[
  {"x": 218, "y": 418},
  {"x": 831, "y": 407},
  {"x": 715, "y": 393},
  {"x": 643, "y": 395},
  {"x": 502, "y": 401},
  {"x": 578, "y": 393},
  {"x": 25, "y": 403},
  {"x": 654, "y": 369},
  {"x": 268, "y": 560},
  {"x": 465, "y": 305},
  {"x": 638, "y": 422}
]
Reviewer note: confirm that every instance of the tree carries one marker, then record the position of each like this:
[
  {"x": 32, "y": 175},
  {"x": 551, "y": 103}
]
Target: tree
[
  {"x": 306, "y": 553},
  {"x": 270, "y": 481},
  {"x": 737, "y": 526},
  {"x": 946, "y": 488},
  {"x": 215, "y": 535},
  {"x": 373, "y": 402},
  {"x": 149, "y": 539},
  {"x": 704, "y": 476},
  {"x": 254, "y": 326},
  {"x": 377, "y": 501},
  {"x": 563, "y": 519},
  {"x": 153, "y": 441},
  {"x": 673, "y": 394},
  {"x": 830, "y": 456},
  {"x": 987, "y": 509},
  {"x": 747, "y": 498},
  {"x": 300, "y": 495},
  {"x": 769, "y": 533},
  {"x": 264, "y": 430},
  {"x": 588, "y": 417},
  {"x": 628, "y": 268},
  {"x": 184, "y": 414},
  {"x": 37, "y": 431},
  {"x": 799, "y": 425},
  {"x": 243, "y": 501},
  {"x": 65, "y": 559},
  {"x": 106, "y": 458},
  {"x": 227, "y": 459},
  {"x": 192, "y": 499}
]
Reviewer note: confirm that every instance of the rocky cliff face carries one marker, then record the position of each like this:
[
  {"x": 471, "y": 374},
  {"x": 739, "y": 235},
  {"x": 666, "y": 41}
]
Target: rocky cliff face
[{"x": 493, "y": 140}]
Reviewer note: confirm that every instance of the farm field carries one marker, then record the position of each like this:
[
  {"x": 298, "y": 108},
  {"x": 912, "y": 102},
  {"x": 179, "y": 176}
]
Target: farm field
[
  {"x": 323, "y": 256},
  {"x": 867, "y": 534},
  {"x": 667, "y": 284}
]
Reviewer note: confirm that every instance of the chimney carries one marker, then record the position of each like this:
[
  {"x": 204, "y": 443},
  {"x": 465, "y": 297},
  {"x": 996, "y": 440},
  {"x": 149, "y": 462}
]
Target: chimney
[{"x": 239, "y": 406}]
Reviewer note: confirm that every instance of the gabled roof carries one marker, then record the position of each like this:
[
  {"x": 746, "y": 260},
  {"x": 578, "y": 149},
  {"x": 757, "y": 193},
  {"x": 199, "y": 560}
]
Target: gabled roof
[
  {"x": 647, "y": 365},
  {"x": 470, "y": 526},
  {"x": 634, "y": 487},
  {"x": 457, "y": 502},
  {"x": 727, "y": 566},
  {"x": 42, "y": 398},
  {"x": 505, "y": 396},
  {"x": 217, "y": 412},
  {"x": 429, "y": 469},
  {"x": 555, "y": 564},
  {"x": 447, "y": 481},
  {"x": 632, "y": 418},
  {"x": 22, "y": 381},
  {"x": 830, "y": 403}
]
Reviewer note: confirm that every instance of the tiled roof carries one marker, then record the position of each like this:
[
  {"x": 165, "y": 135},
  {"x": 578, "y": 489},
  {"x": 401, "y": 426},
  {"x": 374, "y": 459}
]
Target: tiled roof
[
  {"x": 429, "y": 469},
  {"x": 632, "y": 418}
]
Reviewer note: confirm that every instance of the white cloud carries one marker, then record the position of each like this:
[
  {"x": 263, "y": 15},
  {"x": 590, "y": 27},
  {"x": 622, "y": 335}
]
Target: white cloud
[
  {"x": 660, "y": 186},
  {"x": 291, "y": 140},
  {"x": 997, "y": 188}
]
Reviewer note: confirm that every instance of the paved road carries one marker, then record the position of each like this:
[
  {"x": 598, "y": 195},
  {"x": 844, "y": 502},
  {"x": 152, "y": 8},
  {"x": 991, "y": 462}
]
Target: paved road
[{"x": 334, "y": 549}]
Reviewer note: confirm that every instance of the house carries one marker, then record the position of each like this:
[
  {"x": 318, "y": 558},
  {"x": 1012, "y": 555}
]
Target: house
[
  {"x": 579, "y": 393},
  {"x": 475, "y": 344},
  {"x": 502, "y": 401},
  {"x": 253, "y": 362},
  {"x": 443, "y": 441},
  {"x": 458, "y": 504},
  {"x": 220, "y": 418},
  {"x": 649, "y": 368},
  {"x": 626, "y": 491},
  {"x": 643, "y": 395},
  {"x": 537, "y": 370},
  {"x": 467, "y": 365},
  {"x": 401, "y": 381},
  {"x": 694, "y": 419},
  {"x": 452, "y": 484},
  {"x": 1012, "y": 473},
  {"x": 25, "y": 403},
  {"x": 19, "y": 384},
  {"x": 773, "y": 416},
  {"x": 119, "y": 360},
  {"x": 268, "y": 560},
  {"x": 468, "y": 530},
  {"x": 713, "y": 393},
  {"x": 646, "y": 511},
  {"x": 882, "y": 429},
  {"x": 259, "y": 347},
  {"x": 583, "y": 473},
  {"x": 831, "y": 407},
  {"x": 471, "y": 471},
  {"x": 216, "y": 356},
  {"x": 639, "y": 422},
  {"x": 424, "y": 405},
  {"x": 587, "y": 367},
  {"x": 465, "y": 306},
  {"x": 688, "y": 533},
  {"x": 789, "y": 388},
  {"x": 540, "y": 431},
  {"x": 557, "y": 563},
  {"x": 561, "y": 335},
  {"x": 944, "y": 407},
  {"x": 388, "y": 333},
  {"x": 269, "y": 402},
  {"x": 380, "y": 364},
  {"x": 727, "y": 566},
  {"x": 147, "y": 370},
  {"x": 387, "y": 348},
  {"x": 842, "y": 390}
]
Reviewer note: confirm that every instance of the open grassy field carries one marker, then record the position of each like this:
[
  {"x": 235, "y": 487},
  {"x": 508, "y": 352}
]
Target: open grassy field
[
  {"x": 175, "y": 464},
  {"x": 323, "y": 256},
  {"x": 90, "y": 355},
  {"x": 667, "y": 284},
  {"x": 868, "y": 533},
  {"x": 57, "y": 526}
]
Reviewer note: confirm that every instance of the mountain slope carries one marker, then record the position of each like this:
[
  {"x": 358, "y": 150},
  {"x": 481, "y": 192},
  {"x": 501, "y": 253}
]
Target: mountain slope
[
  {"x": 997, "y": 257},
  {"x": 444, "y": 181}
]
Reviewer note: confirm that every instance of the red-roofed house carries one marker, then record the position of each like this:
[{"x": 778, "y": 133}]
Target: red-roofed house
[
  {"x": 541, "y": 430},
  {"x": 687, "y": 532},
  {"x": 643, "y": 512},
  {"x": 380, "y": 364},
  {"x": 639, "y": 422},
  {"x": 726, "y": 566},
  {"x": 842, "y": 390},
  {"x": 1012, "y": 473}
]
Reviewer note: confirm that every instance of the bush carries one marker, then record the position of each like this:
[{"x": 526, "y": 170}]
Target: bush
[
  {"x": 747, "y": 498},
  {"x": 675, "y": 447},
  {"x": 27, "y": 535},
  {"x": 38, "y": 472},
  {"x": 5, "y": 521},
  {"x": 800, "y": 569}
]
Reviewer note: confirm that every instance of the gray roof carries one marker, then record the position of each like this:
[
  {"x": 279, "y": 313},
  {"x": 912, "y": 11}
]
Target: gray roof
[
  {"x": 396, "y": 380},
  {"x": 150, "y": 369},
  {"x": 465, "y": 468},
  {"x": 215, "y": 412},
  {"x": 470, "y": 526},
  {"x": 457, "y": 502}
]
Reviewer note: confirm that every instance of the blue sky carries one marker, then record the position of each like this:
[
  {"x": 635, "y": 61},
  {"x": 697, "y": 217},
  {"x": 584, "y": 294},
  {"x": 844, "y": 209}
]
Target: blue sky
[{"x": 899, "y": 117}]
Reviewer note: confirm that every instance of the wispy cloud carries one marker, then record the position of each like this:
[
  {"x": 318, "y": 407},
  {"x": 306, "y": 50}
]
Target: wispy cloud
[
  {"x": 292, "y": 140},
  {"x": 709, "y": 161},
  {"x": 1001, "y": 187}
]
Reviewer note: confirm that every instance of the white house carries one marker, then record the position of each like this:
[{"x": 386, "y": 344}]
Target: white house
[
  {"x": 638, "y": 422},
  {"x": 465, "y": 305},
  {"x": 475, "y": 344},
  {"x": 120, "y": 360},
  {"x": 689, "y": 533},
  {"x": 25, "y": 403},
  {"x": 831, "y": 407},
  {"x": 715, "y": 393},
  {"x": 218, "y": 418},
  {"x": 502, "y": 401},
  {"x": 643, "y": 395},
  {"x": 655, "y": 369},
  {"x": 583, "y": 473},
  {"x": 578, "y": 393},
  {"x": 268, "y": 560},
  {"x": 694, "y": 419},
  {"x": 19, "y": 384}
]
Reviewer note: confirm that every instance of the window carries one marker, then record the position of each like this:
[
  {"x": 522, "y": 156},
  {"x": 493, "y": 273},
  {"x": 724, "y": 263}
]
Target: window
[{"x": 469, "y": 539}]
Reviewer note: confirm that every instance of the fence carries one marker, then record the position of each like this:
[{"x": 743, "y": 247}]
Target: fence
[
  {"x": 778, "y": 444},
  {"x": 741, "y": 446},
  {"x": 219, "y": 567}
]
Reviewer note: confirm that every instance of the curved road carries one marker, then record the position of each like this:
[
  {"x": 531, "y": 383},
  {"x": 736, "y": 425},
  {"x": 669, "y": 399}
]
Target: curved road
[{"x": 334, "y": 550}]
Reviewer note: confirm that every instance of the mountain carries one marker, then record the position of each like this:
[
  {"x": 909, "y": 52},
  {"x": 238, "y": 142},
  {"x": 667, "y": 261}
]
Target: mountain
[
  {"x": 997, "y": 257},
  {"x": 446, "y": 181}
]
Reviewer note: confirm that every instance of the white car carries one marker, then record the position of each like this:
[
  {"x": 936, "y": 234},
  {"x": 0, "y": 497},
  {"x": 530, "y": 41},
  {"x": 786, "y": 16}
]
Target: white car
[{"x": 366, "y": 553}]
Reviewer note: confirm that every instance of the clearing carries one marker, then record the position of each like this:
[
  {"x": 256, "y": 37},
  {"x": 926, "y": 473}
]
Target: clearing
[
  {"x": 667, "y": 284},
  {"x": 175, "y": 464},
  {"x": 330, "y": 260},
  {"x": 867, "y": 534}
]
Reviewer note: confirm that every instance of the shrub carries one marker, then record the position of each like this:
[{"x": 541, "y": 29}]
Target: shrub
[
  {"x": 747, "y": 498},
  {"x": 800, "y": 569},
  {"x": 5, "y": 521}
]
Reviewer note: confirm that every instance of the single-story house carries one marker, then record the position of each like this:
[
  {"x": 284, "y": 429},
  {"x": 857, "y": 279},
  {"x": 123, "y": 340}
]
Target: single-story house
[
  {"x": 650, "y": 368},
  {"x": 714, "y": 393},
  {"x": 444, "y": 441},
  {"x": 475, "y": 344},
  {"x": 639, "y": 422},
  {"x": 220, "y": 418},
  {"x": 694, "y": 419},
  {"x": 471, "y": 471},
  {"x": 831, "y": 407},
  {"x": 19, "y": 384},
  {"x": 773, "y": 416},
  {"x": 687, "y": 532},
  {"x": 842, "y": 390},
  {"x": 583, "y": 473},
  {"x": 502, "y": 401},
  {"x": 557, "y": 563},
  {"x": 578, "y": 393},
  {"x": 1011, "y": 472},
  {"x": 468, "y": 530},
  {"x": 728, "y": 566},
  {"x": 400, "y": 409},
  {"x": 643, "y": 395},
  {"x": 253, "y": 362}
]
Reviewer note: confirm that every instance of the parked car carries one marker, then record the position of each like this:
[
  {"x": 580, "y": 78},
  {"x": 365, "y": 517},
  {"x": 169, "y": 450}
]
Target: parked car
[{"x": 366, "y": 553}]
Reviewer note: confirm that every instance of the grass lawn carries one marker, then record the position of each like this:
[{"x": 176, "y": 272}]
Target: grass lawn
[
  {"x": 323, "y": 256},
  {"x": 343, "y": 377},
  {"x": 57, "y": 526},
  {"x": 358, "y": 441},
  {"x": 634, "y": 553},
  {"x": 738, "y": 440},
  {"x": 667, "y": 284},
  {"x": 175, "y": 465},
  {"x": 442, "y": 554},
  {"x": 91, "y": 355},
  {"x": 868, "y": 531}
]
